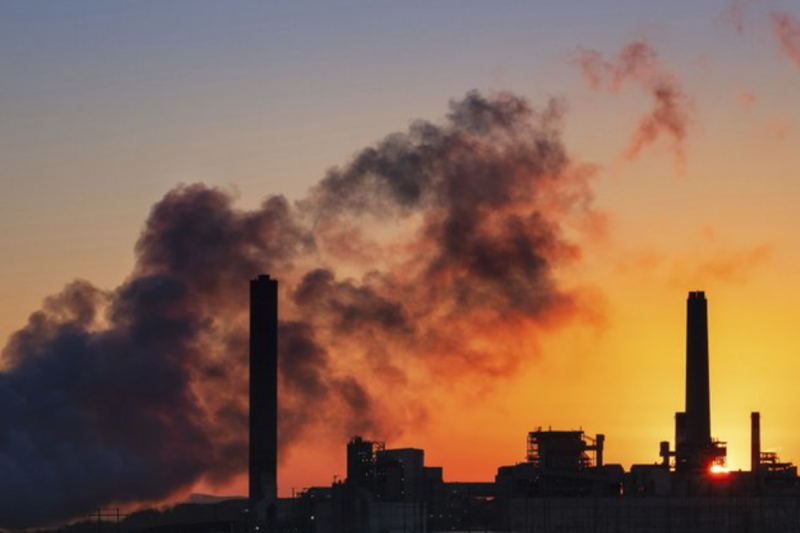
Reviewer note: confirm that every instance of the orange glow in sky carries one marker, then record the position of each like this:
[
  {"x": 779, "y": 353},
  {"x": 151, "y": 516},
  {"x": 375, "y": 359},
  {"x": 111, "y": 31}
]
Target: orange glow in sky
[{"x": 684, "y": 175}]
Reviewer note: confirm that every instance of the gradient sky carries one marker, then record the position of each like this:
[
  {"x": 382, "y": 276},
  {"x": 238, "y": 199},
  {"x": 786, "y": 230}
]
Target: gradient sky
[{"x": 104, "y": 107}]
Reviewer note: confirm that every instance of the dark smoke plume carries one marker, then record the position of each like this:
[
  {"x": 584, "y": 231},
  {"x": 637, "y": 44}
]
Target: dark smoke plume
[
  {"x": 133, "y": 395},
  {"x": 638, "y": 63}
]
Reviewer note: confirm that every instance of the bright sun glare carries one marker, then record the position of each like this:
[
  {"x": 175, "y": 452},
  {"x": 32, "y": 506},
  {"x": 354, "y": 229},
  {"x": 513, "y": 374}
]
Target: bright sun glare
[{"x": 718, "y": 469}]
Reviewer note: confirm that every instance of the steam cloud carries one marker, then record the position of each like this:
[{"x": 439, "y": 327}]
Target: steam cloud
[
  {"x": 638, "y": 63},
  {"x": 135, "y": 394}
]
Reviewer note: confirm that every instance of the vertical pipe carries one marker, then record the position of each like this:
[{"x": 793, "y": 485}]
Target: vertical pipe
[
  {"x": 755, "y": 442},
  {"x": 599, "y": 442},
  {"x": 263, "y": 397},
  {"x": 698, "y": 410}
]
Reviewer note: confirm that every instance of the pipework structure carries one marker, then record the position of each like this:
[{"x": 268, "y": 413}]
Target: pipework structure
[
  {"x": 263, "y": 454},
  {"x": 564, "y": 449}
]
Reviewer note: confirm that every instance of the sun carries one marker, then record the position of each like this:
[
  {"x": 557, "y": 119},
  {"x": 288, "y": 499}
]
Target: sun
[{"x": 719, "y": 469}]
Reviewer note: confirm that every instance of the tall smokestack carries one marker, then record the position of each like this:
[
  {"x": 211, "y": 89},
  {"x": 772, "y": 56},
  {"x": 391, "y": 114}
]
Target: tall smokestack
[
  {"x": 755, "y": 442},
  {"x": 698, "y": 411},
  {"x": 263, "y": 400}
]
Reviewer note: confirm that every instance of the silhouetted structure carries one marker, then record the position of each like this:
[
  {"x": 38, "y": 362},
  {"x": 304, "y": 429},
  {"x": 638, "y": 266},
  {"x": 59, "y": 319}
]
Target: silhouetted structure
[
  {"x": 698, "y": 408},
  {"x": 361, "y": 461},
  {"x": 695, "y": 450},
  {"x": 755, "y": 442},
  {"x": 560, "y": 486},
  {"x": 563, "y": 449},
  {"x": 769, "y": 472},
  {"x": 263, "y": 484}
]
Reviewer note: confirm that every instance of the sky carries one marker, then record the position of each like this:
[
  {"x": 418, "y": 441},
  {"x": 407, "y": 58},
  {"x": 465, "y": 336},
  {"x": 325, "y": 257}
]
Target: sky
[{"x": 680, "y": 125}]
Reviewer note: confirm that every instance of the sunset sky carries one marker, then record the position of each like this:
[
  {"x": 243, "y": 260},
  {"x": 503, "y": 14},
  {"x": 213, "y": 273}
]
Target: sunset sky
[{"x": 688, "y": 147}]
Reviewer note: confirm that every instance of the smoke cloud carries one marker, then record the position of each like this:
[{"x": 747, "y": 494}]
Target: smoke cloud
[
  {"x": 135, "y": 394},
  {"x": 786, "y": 29},
  {"x": 638, "y": 64}
]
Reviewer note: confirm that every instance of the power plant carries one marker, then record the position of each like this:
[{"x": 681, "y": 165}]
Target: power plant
[{"x": 563, "y": 482}]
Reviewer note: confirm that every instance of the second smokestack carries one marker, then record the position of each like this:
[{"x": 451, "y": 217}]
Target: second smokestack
[{"x": 698, "y": 410}]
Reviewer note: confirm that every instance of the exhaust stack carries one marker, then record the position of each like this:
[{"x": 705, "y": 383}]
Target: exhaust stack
[
  {"x": 695, "y": 450},
  {"x": 698, "y": 410},
  {"x": 755, "y": 442},
  {"x": 263, "y": 484}
]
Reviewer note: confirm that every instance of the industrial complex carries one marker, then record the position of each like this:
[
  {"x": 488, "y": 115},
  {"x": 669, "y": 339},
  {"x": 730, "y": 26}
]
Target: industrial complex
[{"x": 562, "y": 484}]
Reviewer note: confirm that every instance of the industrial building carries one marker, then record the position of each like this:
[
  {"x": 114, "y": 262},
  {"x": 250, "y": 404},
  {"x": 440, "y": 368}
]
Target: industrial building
[{"x": 563, "y": 483}]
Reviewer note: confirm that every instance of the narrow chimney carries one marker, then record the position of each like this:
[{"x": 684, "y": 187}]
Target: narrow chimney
[
  {"x": 600, "y": 443},
  {"x": 263, "y": 400},
  {"x": 755, "y": 442},
  {"x": 698, "y": 411}
]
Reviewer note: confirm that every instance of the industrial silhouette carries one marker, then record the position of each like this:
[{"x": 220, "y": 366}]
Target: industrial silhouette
[
  {"x": 695, "y": 450},
  {"x": 263, "y": 471},
  {"x": 563, "y": 483}
]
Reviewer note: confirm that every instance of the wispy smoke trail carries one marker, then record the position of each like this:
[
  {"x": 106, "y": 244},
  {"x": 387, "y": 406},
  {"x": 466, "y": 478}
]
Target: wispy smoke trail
[
  {"x": 786, "y": 29},
  {"x": 135, "y": 394},
  {"x": 735, "y": 14},
  {"x": 638, "y": 63}
]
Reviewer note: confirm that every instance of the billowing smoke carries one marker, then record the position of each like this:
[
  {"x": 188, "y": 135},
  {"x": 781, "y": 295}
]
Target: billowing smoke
[
  {"x": 638, "y": 64},
  {"x": 432, "y": 253}
]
